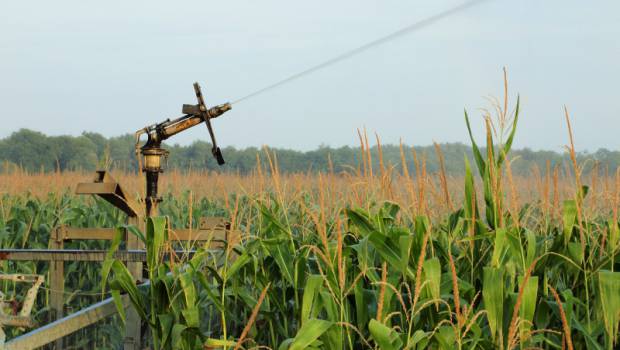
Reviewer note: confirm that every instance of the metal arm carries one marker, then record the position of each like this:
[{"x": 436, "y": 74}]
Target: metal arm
[{"x": 194, "y": 116}]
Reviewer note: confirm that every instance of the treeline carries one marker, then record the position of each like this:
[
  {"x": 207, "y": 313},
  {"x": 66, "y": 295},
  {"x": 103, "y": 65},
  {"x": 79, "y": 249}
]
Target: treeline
[{"x": 34, "y": 152}]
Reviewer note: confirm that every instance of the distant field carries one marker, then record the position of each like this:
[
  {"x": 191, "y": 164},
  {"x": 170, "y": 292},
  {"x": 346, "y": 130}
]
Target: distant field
[{"x": 410, "y": 190}]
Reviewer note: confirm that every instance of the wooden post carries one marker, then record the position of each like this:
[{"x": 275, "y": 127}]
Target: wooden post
[
  {"x": 57, "y": 281},
  {"x": 133, "y": 325}
]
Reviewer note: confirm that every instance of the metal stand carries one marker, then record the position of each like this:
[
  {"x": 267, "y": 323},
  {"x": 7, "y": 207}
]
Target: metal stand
[{"x": 107, "y": 188}]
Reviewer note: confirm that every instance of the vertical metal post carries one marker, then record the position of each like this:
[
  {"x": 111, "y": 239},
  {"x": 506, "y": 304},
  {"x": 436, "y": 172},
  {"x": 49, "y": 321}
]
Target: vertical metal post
[{"x": 57, "y": 281}]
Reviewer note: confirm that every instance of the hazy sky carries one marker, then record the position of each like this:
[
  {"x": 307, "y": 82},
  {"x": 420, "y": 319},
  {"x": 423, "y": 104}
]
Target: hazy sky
[{"x": 115, "y": 66}]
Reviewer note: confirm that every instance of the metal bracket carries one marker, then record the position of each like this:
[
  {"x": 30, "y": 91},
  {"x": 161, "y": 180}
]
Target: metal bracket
[
  {"x": 23, "y": 318},
  {"x": 106, "y": 187}
]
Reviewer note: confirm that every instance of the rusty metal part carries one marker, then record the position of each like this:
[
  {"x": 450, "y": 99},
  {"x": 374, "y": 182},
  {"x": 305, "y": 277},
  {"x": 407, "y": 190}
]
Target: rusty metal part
[
  {"x": 106, "y": 187},
  {"x": 215, "y": 237},
  {"x": 153, "y": 157},
  {"x": 23, "y": 318},
  {"x": 16, "y": 321},
  {"x": 31, "y": 295},
  {"x": 68, "y": 233},
  {"x": 78, "y": 255},
  {"x": 214, "y": 112},
  {"x": 194, "y": 115}
]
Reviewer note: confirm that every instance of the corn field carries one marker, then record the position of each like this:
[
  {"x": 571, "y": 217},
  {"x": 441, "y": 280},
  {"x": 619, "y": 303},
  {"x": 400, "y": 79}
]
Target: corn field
[{"x": 375, "y": 258}]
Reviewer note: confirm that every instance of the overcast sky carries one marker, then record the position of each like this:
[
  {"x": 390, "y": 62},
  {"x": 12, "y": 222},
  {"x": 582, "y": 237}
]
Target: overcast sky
[{"x": 115, "y": 66}]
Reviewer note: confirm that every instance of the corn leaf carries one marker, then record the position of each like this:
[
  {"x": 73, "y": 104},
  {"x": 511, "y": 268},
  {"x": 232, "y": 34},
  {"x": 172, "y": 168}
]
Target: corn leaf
[
  {"x": 386, "y": 337},
  {"x": 309, "y": 332},
  {"x": 569, "y": 216},
  {"x": 308, "y": 307},
  {"x": 477, "y": 154},
  {"x": 493, "y": 298},
  {"x": 432, "y": 274},
  {"x": 609, "y": 294}
]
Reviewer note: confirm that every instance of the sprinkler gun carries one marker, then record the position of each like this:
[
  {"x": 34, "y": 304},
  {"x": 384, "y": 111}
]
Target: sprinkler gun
[{"x": 152, "y": 151}]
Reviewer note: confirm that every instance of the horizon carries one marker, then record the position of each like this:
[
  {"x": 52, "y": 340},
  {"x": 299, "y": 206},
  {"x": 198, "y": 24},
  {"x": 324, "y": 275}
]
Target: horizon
[
  {"x": 371, "y": 140},
  {"x": 32, "y": 151}
]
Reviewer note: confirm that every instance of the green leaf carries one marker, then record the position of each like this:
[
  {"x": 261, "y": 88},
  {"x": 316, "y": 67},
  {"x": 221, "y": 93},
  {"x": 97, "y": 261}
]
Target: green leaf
[
  {"x": 477, "y": 155},
  {"x": 493, "y": 297},
  {"x": 432, "y": 274},
  {"x": 361, "y": 220},
  {"x": 361, "y": 306},
  {"x": 389, "y": 252},
  {"x": 333, "y": 336},
  {"x": 405, "y": 243},
  {"x": 309, "y": 332},
  {"x": 591, "y": 342},
  {"x": 135, "y": 231},
  {"x": 445, "y": 337},
  {"x": 569, "y": 216},
  {"x": 491, "y": 152},
  {"x": 166, "y": 322},
  {"x": 510, "y": 139},
  {"x": 419, "y": 340},
  {"x": 238, "y": 264},
  {"x": 118, "y": 301},
  {"x": 189, "y": 290},
  {"x": 575, "y": 252},
  {"x": 528, "y": 303},
  {"x": 470, "y": 202},
  {"x": 283, "y": 257},
  {"x": 156, "y": 236},
  {"x": 177, "y": 335},
  {"x": 123, "y": 281},
  {"x": 489, "y": 197},
  {"x": 499, "y": 247},
  {"x": 107, "y": 263},
  {"x": 609, "y": 291},
  {"x": 308, "y": 309},
  {"x": 531, "y": 247},
  {"x": 386, "y": 337},
  {"x": 192, "y": 317}
]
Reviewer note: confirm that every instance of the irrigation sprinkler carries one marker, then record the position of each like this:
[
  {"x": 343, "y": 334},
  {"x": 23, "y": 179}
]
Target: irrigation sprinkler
[
  {"x": 151, "y": 159},
  {"x": 154, "y": 156}
]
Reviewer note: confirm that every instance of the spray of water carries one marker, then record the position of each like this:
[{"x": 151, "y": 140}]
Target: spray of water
[{"x": 370, "y": 45}]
